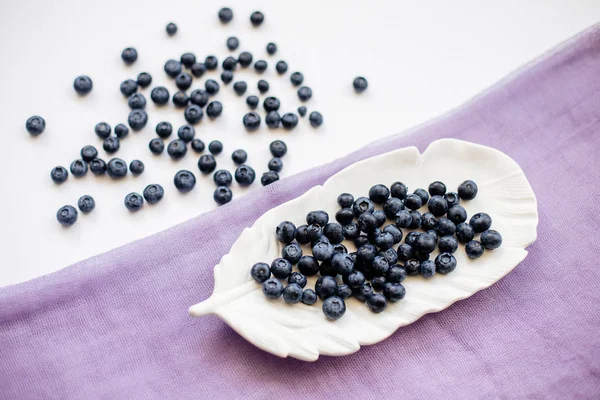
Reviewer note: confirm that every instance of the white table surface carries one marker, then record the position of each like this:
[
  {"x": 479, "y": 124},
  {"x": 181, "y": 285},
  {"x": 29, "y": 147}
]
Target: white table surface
[{"x": 421, "y": 59}]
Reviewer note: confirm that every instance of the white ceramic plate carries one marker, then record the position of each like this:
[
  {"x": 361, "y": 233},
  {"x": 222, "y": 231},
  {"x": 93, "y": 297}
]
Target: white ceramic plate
[{"x": 302, "y": 331}]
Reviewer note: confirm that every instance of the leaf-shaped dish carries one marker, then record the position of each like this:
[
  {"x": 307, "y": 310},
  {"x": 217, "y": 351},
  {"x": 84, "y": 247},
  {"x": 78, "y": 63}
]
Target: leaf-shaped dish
[{"x": 302, "y": 331}]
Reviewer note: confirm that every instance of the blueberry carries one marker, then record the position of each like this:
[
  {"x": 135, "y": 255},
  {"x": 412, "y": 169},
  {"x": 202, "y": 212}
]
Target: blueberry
[
  {"x": 413, "y": 202},
  {"x": 197, "y": 145},
  {"x": 480, "y": 222},
  {"x": 292, "y": 252},
  {"x": 128, "y": 87},
  {"x": 181, "y": 99},
  {"x": 226, "y": 15},
  {"x": 171, "y": 29},
  {"x": 326, "y": 269},
  {"x": 304, "y": 93},
  {"x": 251, "y": 121},
  {"x": 129, "y": 55},
  {"x": 384, "y": 240},
  {"x": 272, "y": 288},
  {"x": 232, "y": 43},
  {"x": 380, "y": 266},
  {"x": 411, "y": 238},
  {"x": 377, "y": 303},
  {"x": 351, "y": 230},
  {"x": 342, "y": 264},
  {"x": 173, "y": 68},
  {"x": 464, "y": 232},
  {"x": 260, "y": 66},
  {"x": 153, "y": 193},
  {"x": 82, "y": 85},
  {"x": 362, "y": 205},
  {"x": 59, "y": 174},
  {"x": 302, "y": 111},
  {"x": 184, "y": 181},
  {"x": 281, "y": 67},
  {"x": 394, "y": 231},
  {"x": 308, "y": 265},
  {"x": 467, "y": 190},
  {"x": 102, "y": 130},
  {"x": 260, "y": 272},
  {"x": 364, "y": 292},
  {"x": 491, "y": 239},
  {"x": 355, "y": 279},
  {"x": 222, "y": 195},
  {"x": 144, "y": 79},
  {"x": 244, "y": 175},
  {"x": 422, "y": 193},
  {"x": 433, "y": 233},
  {"x": 269, "y": 177},
  {"x": 273, "y": 119},
  {"x": 278, "y": 148},
  {"x": 252, "y": 102},
  {"x": 188, "y": 59},
  {"x": 275, "y": 164},
  {"x": 445, "y": 227},
  {"x": 425, "y": 243},
  {"x": 136, "y": 167},
  {"x": 263, "y": 86},
  {"x": 111, "y": 144},
  {"x": 452, "y": 199},
  {"x": 366, "y": 253},
  {"x": 198, "y": 69},
  {"x": 88, "y": 153},
  {"x": 445, "y": 263},
  {"x": 240, "y": 87},
  {"x": 66, "y": 215},
  {"x": 396, "y": 274},
  {"x": 412, "y": 267},
  {"x": 344, "y": 216},
  {"x": 474, "y": 249},
  {"x": 116, "y": 168},
  {"x": 360, "y": 84},
  {"x": 403, "y": 219},
  {"x": 199, "y": 97},
  {"x": 316, "y": 119},
  {"x": 160, "y": 95},
  {"x": 448, "y": 244},
  {"x": 399, "y": 190},
  {"x": 227, "y": 77},
  {"x": 86, "y": 203},
  {"x": 297, "y": 78},
  {"x": 78, "y": 168},
  {"x": 134, "y": 201},
  {"x": 428, "y": 221},
  {"x": 229, "y": 64},
  {"x": 416, "y": 219},
  {"x": 318, "y": 217},
  {"x": 121, "y": 131},
  {"x": 297, "y": 278},
  {"x": 271, "y": 48},
  {"x": 285, "y": 232},
  {"x": 292, "y": 294},
  {"x": 379, "y": 194},
  {"x": 211, "y": 86},
  {"x": 177, "y": 149},
  {"x": 245, "y": 59},
  {"x": 437, "y": 205},
  {"x": 422, "y": 256},
  {"x": 313, "y": 232},
  {"x": 281, "y": 268},
  {"x": 345, "y": 200},
  {"x": 437, "y": 188},
  {"x": 344, "y": 291},
  {"x": 457, "y": 214},
  {"x": 257, "y": 18},
  {"x": 137, "y": 119},
  {"x": 214, "y": 109},
  {"x": 339, "y": 249},
  {"x": 98, "y": 166},
  {"x": 239, "y": 156},
  {"x": 193, "y": 114},
  {"x": 322, "y": 251},
  {"x": 378, "y": 283},
  {"x": 326, "y": 287},
  {"x": 156, "y": 146},
  {"x": 309, "y": 297},
  {"x": 186, "y": 133},
  {"x": 405, "y": 252},
  {"x": 207, "y": 164},
  {"x": 222, "y": 178},
  {"x": 390, "y": 255}
]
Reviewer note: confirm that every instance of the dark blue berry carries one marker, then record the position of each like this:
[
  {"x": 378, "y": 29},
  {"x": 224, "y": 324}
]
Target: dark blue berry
[
  {"x": 198, "y": 69},
  {"x": 273, "y": 119},
  {"x": 344, "y": 216},
  {"x": 384, "y": 240},
  {"x": 297, "y": 278},
  {"x": 390, "y": 255},
  {"x": 153, "y": 193},
  {"x": 156, "y": 146},
  {"x": 318, "y": 217},
  {"x": 428, "y": 221},
  {"x": 309, "y": 297},
  {"x": 121, "y": 131},
  {"x": 137, "y": 119},
  {"x": 362, "y": 205},
  {"x": 134, "y": 201},
  {"x": 116, "y": 168},
  {"x": 222, "y": 178},
  {"x": 377, "y": 303},
  {"x": 413, "y": 202},
  {"x": 59, "y": 174},
  {"x": 211, "y": 86},
  {"x": 425, "y": 243},
  {"x": 313, "y": 233},
  {"x": 251, "y": 121},
  {"x": 355, "y": 279},
  {"x": 491, "y": 239},
  {"x": 144, "y": 79},
  {"x": 263, "y": 86},
  {"x": 437, "y": 188},
  {"x": 227, "y": 77},
  {"x": 467, "y": 190},
  {"x": 412, "y": 267},
  {"x": 88, "y": 153},
  {"x": 396, "y": 274},
  {"x": 181, "y": 99},
  {"x": 427, "y": 269},
  {"x": 78, "y": 168},
  {"x": 379, "y": 217},
  {"x": 308, "y": 265},
  {"x": 322, "y": 251},
  {"x": 364, "y": 292},
  {"x": 245, "y": 59},
  {"x": 422, "y": 193},
  {"x": 302, "y": 111},
  {"x": 275, "y": 164},
  {"x": 66, "y": 215},
  {"x": 422, "y": 256},
  {"x": 360, "y": 84},
  {"x": 160, "y": 95},
  {"x": 380, "y": 266},
  {"x": 304, "y": 93},
  {"x": 128, "y": 87},
  {"x": 184, "y": 181},
  {"x": 316, "y": 119},
  {"x": 271, "y": 48},
  {"x": 379, "y": 194},
  {"x": 188, "y": 59},
  {"x": 186, "y": 133},
  {"x": 464, "y": 232},
  {"x": 239, "y": 156},
  {"x": 229, "y": 64},
  {"x": 233, "y": 43},
  {"x": 269, "y": 177},
  {"x": 399, "y": 190},
  {"x": 171, "y": 29},
  {"x": 215, "y": 147},
  {"x": 260, "y": 66},
  {"x": 326, "y": 287},
  {"x": 366, "y": 253},
  {"x": 351, "y": 230},
  {"x": 197, "y": 145},
  {"x": 272, "y": 288},
  {"x": 98, "y": 166},
  {"x": 136, "y": 167},
  {"x": 207, "y": 164},
  {"x": 394, "y": 292},
  {"x": 260, "y": 272},
  {"x": 480, "y": 222},
  {"x": 345, "y": 200},
  {"x": 82, "y": 85},
  {"x": 448, "y": 244},
  {"x": 199, "y": 97},
  {"x": 173, "y": 68},
  {"x": 111, "y": 144},
  {"x": 437, "y": 205},
  {"x": 445, "y": 227},
  {"x": 433, "y": 233},
  {"x": 193, "y": 114},
  {"x": 416, "y": 219},
  {"x": 222, "y": 195},
  {"x": 214, "y": 109},
  {"x": 225, "y": 16},
  {"x": 457, "y": 214},
  {"x": 211, "y": 63},
  {"x": 252, "y": 102},
  {"x": 35, "y": 125},
  {"x": 281, "y": 67},
  {"x": 278, "y": 148},
  {"x": 240, "y": 87},
  {"x": 411, "y": 238},
  {"x": 452, "y": 199},
  {"x": 292, "y": 252},
  {"x": 244, "y": 175},
  {"x": 378, "y": 283},
  {"x": 344, "y": 291},
  {"x": 474, "y": 249},
  {"x": 334, "y": 308},
  {"x": 86, "y": 203},
  {"x": 281, "y": 268},
  {"x": 292, "y": 294},
  {"x": 257, "y": 18},
  {"x": 297, "y": 78},
  {"x": 103, "y": 130},
  {"x": 342, "y": 264},
  {"x": 445, "y": 263},
  {"x": 129, "y": 55}
]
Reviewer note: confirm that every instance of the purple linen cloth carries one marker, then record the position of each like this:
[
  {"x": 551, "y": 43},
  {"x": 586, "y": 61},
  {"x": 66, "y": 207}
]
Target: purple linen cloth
[{"x": 116, "y": 325}]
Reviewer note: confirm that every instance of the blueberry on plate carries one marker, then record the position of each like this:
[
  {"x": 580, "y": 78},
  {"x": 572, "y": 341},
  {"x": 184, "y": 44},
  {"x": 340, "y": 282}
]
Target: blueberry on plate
[
  {"x": 137, "y": 119},
  {"x": 474, "y": 249},
  {"x": 378, "y": 283},
  {"x": 318, "y": 217},
  {"x": 326, "y": 287},
  {"x": 257, "y": 18},
  {"x": 136, "y": 100},
  {"x": 211, "y": 63},
  {"x": 380, "y": 266},
  {"x": 377, "y": 303},
  {"x": 239, "y": 157},
  {"x": 351, "y": 230},
  {"x": 297, "y": 78},
  {"x": 316, "y": 119},
  {"x": 144, "y": 79},
  {"x": 422, "y": 256},
  {"x": 344, "y": 291},
  {"x": 252, "y": 102},
  {"x": 160, "y": 95},
  {"x": 362, "y": 205},
  {"x": 272, "y": 288},
  {"x": 292, "y": 252},
  {"x": 271, "y": 48},
  {"x": 102, "y": 130},
  {"x": 153, "y": 193},
  {"x": 272, "y": 119},
  {"x": 197, "y": 145},
  {"x": 457, "y": 214},
  {"x": 251, "y": 121},
  {"x": 396, "y": 274},
  {"x": 297, "y": 278},
  {"x": 355, "y": 279},
  {"x": 467, "y": 190},
  {"x": 214, "y": 109},
  {"x": 136, "y": 167},
  {"x": 428, "y": 269},
  {"x": 245, "y": 59},
  {"x": 416, "y": 219},
  {"x": 193, "y": 114},
  {"x": 345, "y": 200},
  {"x": 281, "y": 268},
  {"x": 342, "y": 264},
  {"x": 360, "y": 84},
  {"x": 188, "y": 59},
  {"x": 181, "y": 99},
  {"x": 222, "y": 195},
  {"x": 129, "y": 55},
  {"x": 260, "y": 272},
  {"x": 207, "y": 164},
  {"x": 480, "y": 222},
  {"x": 232, "y": 43},
  {"x": 464, "y": 232},
  {"x": 281, "y": 67},
  {"x": 275, "y": 164},
  {"x": 304, "y": 93},
  {"x": 173, "y": 68},
  {"x": 128, "y": 87},
  {"x": 411, "y": 238},
  {"x": 491, "y": 239},
  {"x": 437, "y": 188},
  {"x": 88, "y": 153},
  {"x": 445, "y": 263},
  {"x": 366, "y": 253},
  {"x": 121, "y": 131},
  {"x": 344, "y": 216},
  {"x": 222, "y": 178},
  {"x": 399, "y": 190},
  {"x": 308, "y": 265},
  {"x": 285, "y": 232},
  {"x": 428, "y": 221},
  {"x": 215, "y": 147},
  {"x": 164, "y": 129},
  {"x": 309, "y": 297},
  {"x": 78, "y": 168},
  {"x": 403, "y": 219},
  {"x": 211, "y": 86},
  {"x": 244, "y": 175},
  {"x": 445, "y": 227},
  {"x": 184, "y": 181},
  {"x": 134, "y": 201},
  {"x": 59, "y": 174},
  {"x": 66, "y": 215},
  {"x": 289, "y": 120},
  {"x": 86, "y": 203},
  {"x": 425, "y": 243},
  {"x": 390, "y": 255},
  {"x": 322, "y": 251},
  {"x": 82, "y": 85},
  {"x": 413, "y": 202},
  {"x": 111, "y": 144},
  {"x": 313, "y": 232},
  {"x": 292, "y": 293},
  {"x": 302, "y": 111},
  {"x": 98, "y": 166},
  {"x": 364, "y": 292},
  {"x": 269, "y": 177},
  {"x": 412, "y": 267},
  {"x": 260, "y": 66},
  {"x": 452, "y": 199},
  {"x": 156, "y": 146},
  {"x": 177, "y": 149},
  {"x": 405, "y": 252},
  {"x": 379, "y": 194},
  {"x": 394, "y": 292},
  {"x": 186, "y": 133},
  {"x": 225, "y": 15},
  {"x": 199, "y": 97},
  {"x": 334, "y": 308},
  {"x": 116, "y": 168},
  {"x": 227, "y": 77},
  {"x": 334, "y": 232},
  {"x": 384, "y": 240},
  {"x": 240, "y": 87},
  {"x": 437, "y": 205},
  {"x": 448, "y": 244}
]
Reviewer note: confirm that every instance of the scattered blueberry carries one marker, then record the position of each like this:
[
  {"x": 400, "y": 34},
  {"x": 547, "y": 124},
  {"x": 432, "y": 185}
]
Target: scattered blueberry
[
  {"x": 59, "y": 174},
  {"x": 292, "y": 252},
  {"x": 355, "y": 279},
  {"x": 233, "y": 43},
  {"x": 260, "y": 272},
  {"x": 322, "y": 251},
  {"x": 273, "y": 119},
  {"x": 377, "y": 303},
  {"x": 437, "y": 205},
  {"x": 211, "y": 86},
  {"x": 445, "y": 263},
  {"x": 129, "y": 55},
  {"x": 399, "y": 190},
  {"x": 160, "y": 95},
  {"x": 214, "y": 109},
  {"x": 177, "y": 149},
  {"x": 457, "y": 214},
  {"x": 137, "y": 119},
  {"x": 378, "y": 283},
  {"x": 360, "y": 84},
  {"x": 181, "y": 99},
  {"x": 452, "y": 199},
  {"x": 102, "y": 130},
  {"x": 66, "y": 215},
  {"x": 281, "y": 268},
  {"x": 467, "y": 190},
  {"x": 448, "y": 244},
  {"x": 186, "y": 133},
  {"x": 188, "y": 59},
  {"x": 173, "y": 68},
  {"x": 334, "y": 232},
  {"x": 281, "y": 67},
  {"x": 480, "y": 222},
  {"x": 193, "y": 114},
  {"x": 309, "y": 297},
  {"x": 111, "y": 144},
  {"x": 78, "y": 168},
  {"x": 244, "y": 175},
  {"x": 215, "y": 147},
  {"x": 344, "y": 291},
  {"x": 263, "y": 86},
  {"x": 308, "y": 265},
  {"x": 198, "y": 69},
  {"x": 260, "y": 66},
  {"x": 245, "y": 59},
  {"x": 271, "y": 48},
  {"x": 445, "y": 227},
  {"x": 416, "y": 219},
  {"x": 344, "y": 216},
  {"x": 251, "y": 120},
  {"x": 226, "y": 15},
  {"x": 240, "y": 87},
  {"x": 364, "y": 292},
  {"x": 297, "y": 278},
  {"x": 134, "y": 201},
  {"x": 257, "y": 18},
  {"x": 171, "y": 29},
  {"x": 153, "y": 193},
  {"x": 222, "y": 178},
  {"x": 269, "y": 177},
  {"x": 128, "y": 87},
  {"x": 82, "y": 85},
  {"x": 229, "y": 64},
  {"x": 116, "y": 168},
  {"x": 316, "y": 119},
  {"x": 197, "y": 145},
  {"x": 227, "y": 77},
  {"x": 184, "y": 181},
  {"x": 351, "y": 230},
  {"x": 222, "y": 195},
  {"x": 437, "y": 188},
  {"x": 379, "y": 194},
  {"x": 413, "y": 202},
  {"x": 395, "y": 232},
  {"x": 345, "y": 200},
  {"x": 86, "y": 203},
  {"x": 394, "y": 292},
  {"x": 422, "y": 193},
  {"x": 425, "y": 243},
  {"x": 252, "y": 102},
  {"x": 396, "y": 274},
  {"x": 35, "y": 125},
  {"x": 136, "y": 167},
  {"x": 272, "y": 288},
  {"x": 239, "y": 157},
  {"x": 199, "y": 97},
  {"x": 412, "y": 267},
  {"x": 474, "y": 249},
  {"x": 319, "y": 217},
  {"x": 88, "y": 153},
  {"x": 403, "y": 219},
  {"x": 275, "y": 164},
  {"x": 326, "y": 287},
  {"x": 292, "y": 294},
  {"x": 156, "y": 146},
  {"x": 98, "y": 166},
  {"x": 136, "y": 100},
  {"x": 297, "y": 78},
  {"x": 207, "y": 164},
  {"x": 121, "y": 131},
  {"x": 464, "y": 232},
  {"x": 302, "y": 111},
  {"x": 362, "y": 205},
  {"x": 304, "y": 93},
  {"x": 491, "y": 239},
  {"x": 144, "y": 79}
]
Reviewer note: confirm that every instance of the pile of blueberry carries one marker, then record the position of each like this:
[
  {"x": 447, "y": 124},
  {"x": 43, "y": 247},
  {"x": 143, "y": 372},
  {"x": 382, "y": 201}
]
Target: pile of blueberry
[{"x": 373, "y": 273}]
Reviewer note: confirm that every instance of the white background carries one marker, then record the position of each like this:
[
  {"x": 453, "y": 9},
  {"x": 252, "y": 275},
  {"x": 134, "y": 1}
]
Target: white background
[{"x": 421, "y": 59}]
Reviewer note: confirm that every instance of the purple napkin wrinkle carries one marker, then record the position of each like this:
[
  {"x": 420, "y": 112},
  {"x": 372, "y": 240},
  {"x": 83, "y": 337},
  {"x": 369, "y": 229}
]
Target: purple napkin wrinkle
[{"x": 116, "y": 325}]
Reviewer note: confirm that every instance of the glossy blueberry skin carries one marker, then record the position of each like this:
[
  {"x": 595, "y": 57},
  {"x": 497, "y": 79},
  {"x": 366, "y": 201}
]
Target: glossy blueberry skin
[
  {"x": 281, "y": 268},
  {"x": 275, "y": 164},
  {"x": 229, "y": 64},
  {"x": 367, "y": 222},
  {"x": 136, "y": 167},
  {"x": 144, "y": 79},
  {"x": 82, "y": 85},
  {"x": 403, "y": 219},
  {"x": 260, "y": 272},
  {"x": 457, "y": 214},
  {"x": 362, "y": 205},
  {"x": 384, "y": 240},
  {"x": 160, "y": 95},
  {"x": 344, "y": 291},
  {"x": 173, "y": 68},
  {"x": 198, "y": 69},
  {"x": 366, "y": 253},
  {"x": 121, "y": 131},
  {"x": 437, "y": 205},
  {"x": 292, "y": 294},
  {"x": 245, "y": 59},
  {"x": 480, "y": 222},
  {"x": 271, "y": 48},
  {"x": 433, "y": 233},
  {"x": 156, "y": 146},
  {"x": 86, "y": 203},
  {"x": 222, "y": 178},
  {"x": 240, "y": 87},
  {"x": 474, "y": 249},
  {"x": 153, "y": 193},
  {"x": 66, "y": 215},
  {"x": 422, "y": 193},
  {"x": 437, "y": 188},
  {"x": 354, "y": 280},
  {"x": 396, "y": 274},
  {"x": 128, "y": 87},
  {"x": 59, "y": 174},
  {"x": 281, "y": 67},
  {"x": 428, "y": 221},
  {"x": 251, "y": 121},
  {"x": 452, "y": 199},
  {"x": 134, "y": 201},
  {"x": 378, "y": 282},
  {"x": 411, "y": 238},
  {"x": 412, "y": 267},
  {"x": 211, "y": 86},
  {"x": 428, "y": 269},
  {"x": 193, "y": 114},
  {"x": 345, "y": 200},
  {"x": 316, "y": 119},
  {"x": 313, "y": 233},
  {"x": 302, "y": 111},
  {"x": 239, "y": 157},
  {"x": 273, "y": 119},
  {"x": 304, "y": 93},
  {"x": 413, "y": 202},
  {"x": 322, "y": 251},
  {"x": 377, "y": 303},
  {"x": 232, "y": 43},
  {"x": 425, "y": 243},
  {"x": 199, "y": 97},
  {"x": 292, "y": 252},
  {"x": 188, "y": 59},
  {"x": 102, "y": 130},
  {"x": 465, "y": 232},
  {"x": 344, "y": 216},
  {"x": 334, "y": 233},
  {"x": 445, "y": 227},
  {"x": 334, "y": 308},
  {"x": 297, "y": 78},
  {"x": 257, "y": 18},
  {"x": 360, "y": 84},
  {"x": 88, "y": 153},
  {"x": 289, "y": 120},
  {"x": 129, "y": 55},
  {"x": 351, "y": 230},
  {"x": 244, "y": 175},
  {"x": 317, "y": 217},
  {"x": 137, "y": 119},
  {"x": 215, "y": 147},
  {"x": 198, "y": 145},
  {"x": 272, "y": 288},
  {"x": 136, "y": 100},
  {"x": 415, "y": 219},
  {"x": 116, "y": 168},
  {"x": 342, "y": 264},
  {"x": 390, "y": 255},
  {"x": 171, "y": 29},
  {"x": 98, "y": 166},
  {"x": 225, "y": 15},
  {"x": 380, "y": 266},
  {"x": 309, "y": 297},
  {"x": 448, "y": 244},
  {"x": 186, "y": 133},
  {"x": 214, "y": 109},
  {"x": 445, "y": 263},
  {"x": 111, "y": 144},
  {"x": 181, "y": 99},
  {"x": 326, "y": 287},
  {"x": 263, "y": 86},
  {"x": 252, "y": 102},
  {"x": 35, "y": 125},
  {"x": 222, "y": 195},
  {"x": 422, "y": 256},
  {"x": 308, "y": 265},
  {"x": 207, "y": 164},
  {"x": 394, "y": 292},
  {"x": 467, "y": 190},
  {"x": 364, "y": 292},
  {"x": 297, "y": 278},
  {"x": 491, "y": 239},
  {"x": 184, "y": 181},
  {"x": 379, "y": 194},
  {"x": 285, "y": 232},
  {"x": 78, "y": 168},
  {"x": 260, "y": 66}
]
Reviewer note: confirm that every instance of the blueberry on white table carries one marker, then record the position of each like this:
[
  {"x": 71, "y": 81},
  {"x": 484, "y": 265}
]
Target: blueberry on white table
[
  {"x": 445, "y": 263},
  {"x": 184, "y": 181},
  {"x": 474, "y": 249},
  {"x": 272, "y": 119},
  {"x": 199, "y": 97},
  {"x": 181, "y": 99},
  {"x": 227, "y": 77},
  {"x": 245, "y": 59},
  {"x": 177, "y": 149},
  {"x": 304, "y": 93},
  {"x": 394, "y": 292},
  {"x": 78, "y": 168},
  {"x": 491, "y": 239},
  {"x": 271, "y": 48},
  {"x": 153, "y": 193},
  {"x": 144, "y": 79},
  {"x": 88, "y": 153},
  {"x": 188, "y": 59},
  {"x": 467, "y": 190},
  {"x": 263, "y": 86},
  {"x": 116, "y": 168},
  {"x": 281, "y": 67},
  {"x": 480, "y": 222},
  {"x": 214, "y": 109},
  {"x": 252, "y": 102},
  {"x": 82, "y": 85},
  {"x": 239, "y": 156},
  {"x": 233, "y": 43},
  {"x": 297, "y": 78},
  {"x": 225, "y": 15},
  {"x": 156, "y": 146},
  {"x": 260, "y": 272},
  {"x": 316, "y": 119},
  {"x": 111, "y": 144},
  {"x": 134, "y": 201},
  {"x": 59, "y": 174},
  {"x": 251, "y": 120},
  {"x": 309, "y": 297},
  {"x": 207, "y": 164},
  {"x": 447, "y": 244},
  {"x": 121, "y": 131},
  {"x": 66, "y": 215},
  {"x": 222, "y": 195},
  {"x": 360, "y": 84},
  {"x": 128, "y": 87},
  {"x": 197, "y": 145},
  {"x": 240, "y": 87},
  {"x": 211, "y": 62},
  {"x": 222, "y": 178},
  {"x": 292, "y": 252},
  {"x": 173, "y": 68},
  {"x": 98, "y": 166},
  {"x": 289, "y": 120},
  {"x": 186, "y": 133},
  {"x": 464, "y": 232},
  {"x": 308, "y": 265},
  {"x": 86, "y": 203},
  {"x": 193, "y": 114},
  {"x": 136, "y": 100},
  {"x": 160, "y": 95},
  {"x": 136, "y": 167},
  {"x": 102, "y": 130},
  {"x": 129, "y": 55},
  {"x": 211, "y": 86},
  {"x": 260, "y": 66},
  {"x": 422, "y": 193},
  {"x": 35, "y": 125},
  {"x": 272, "y": 288},
  {"x": 137, "y": 119},
  {"x": 257, "y": 18},
  {"x": 396, "y": 274},
  {"x": 198, "y": 69},
  {"x": 269, "y": 177},
  {"x": 171, "y": 29}
]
